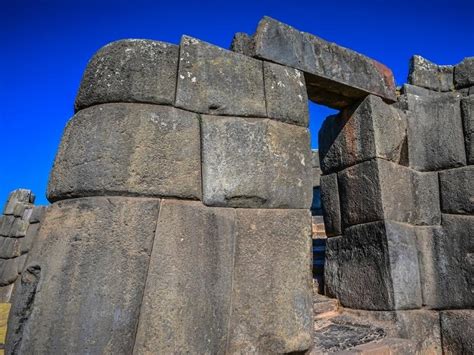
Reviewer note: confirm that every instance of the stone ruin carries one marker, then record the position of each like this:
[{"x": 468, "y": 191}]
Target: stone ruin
[{"x": 181, "y": 192}]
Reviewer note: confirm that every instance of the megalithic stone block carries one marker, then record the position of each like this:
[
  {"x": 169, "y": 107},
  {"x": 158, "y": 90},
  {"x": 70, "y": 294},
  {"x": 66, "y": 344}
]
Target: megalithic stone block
[
  {"x": 446, "y": 267},
  {"x": 464, "y": 73},
  {"x": 429, "y": 75},
  {"x": 373, "y": 129},
  {"x": 272, "y": 298},
  {"x": 131, "y": 70},
  {"x": 326, "y": 65},
  {"x": 330, "y": 204},
  {"x": 21, "y": 196},
  {"x": 84, "y": 278},
  {"x": 457, "y": 329},
  {"x": 467, "y": 108},
  {"x": 374, "y": 266},
  {"x": 187, "y": 299},
  {"x": 435, "y": 132},
  {"x": 217, "y": 81},
  {"x": 255, "y": 163},
  {"x": 128, "y": 149},
  {"x": 457, "y": 190}
]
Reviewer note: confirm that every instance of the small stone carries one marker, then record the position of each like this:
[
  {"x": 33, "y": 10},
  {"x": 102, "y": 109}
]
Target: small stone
[
  {"x": 242, "y": 43},
  {"x": 429, "y": 75},
  {"x": 8, "y": 271},
  {"x": 464, "y": 73},
  {"x": 9, "y": 247},
  {"x": 330, "y": 204},
  {"x": 457, "y": 190},
  {"x": 6, "y": 224},
  {"x": 457, "y": 327},
  {"x": 316, "y": 167}
]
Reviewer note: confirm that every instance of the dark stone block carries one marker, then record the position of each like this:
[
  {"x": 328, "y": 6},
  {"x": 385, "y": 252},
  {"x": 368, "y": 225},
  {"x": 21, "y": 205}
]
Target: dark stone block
[
  {"x": 457, "y": 190},
  {"x": 457, "y": 329},
  {"x": 429, "y": 75},
  {"x": 242, "y": 43},
  {"x": 316, "y": 167},
  {"x": 467, "y": 108},
  {"x": 130, "y": 70},
  {"x": 464, "y": 73},
  {"x": 330, "y": 204},
  {"x": 426, "y": 201}
]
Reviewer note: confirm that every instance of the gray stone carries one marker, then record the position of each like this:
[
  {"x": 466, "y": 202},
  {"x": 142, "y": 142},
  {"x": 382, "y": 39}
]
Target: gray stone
[
  {"x": 37, "y": 214},
  {"x": 435, "y": 132},
  {"x": 130, "y": 70},
  {"x": 429, "y": 75},
  {"x": 242, "y": 43},
  {"x": 252, "y": 162},
  {"x": 467, "y": 108},
  {"x": 6, "y": 224},
  {"x": 101, "y": 248},
  {"x": 186, "y": 306},
  {"x": 8, "y": 271},
  {"x": 217, "y": 81},
  {"x": 330, "y": 204},
  {"x": 6, "y": 293},
  {"x": 373, "y": 130},
  {"x": 128, "y": 149},
  {"x": 335, "y": 76},
  {"x": 457, "y": 328},
  {"x": 18, "y": 196},
  {"x": 9, "y": 247},
  {"x": 19, "y": 228},
  {"x": 19, "y": 209},
  {"x": 272, "y": 290},
  {"x": 285, "y": 93},
  {"x": 374, "y": 266},
  {"x": 316, "y": 167},
  {"x": 445, "y": 259},
  {"x": 392, "y": 346},
  {"x": 27, "y": 241},
  {"x": 426, "y": 201},
  {"x": 464, "y": 73},
  {"x": 457, "y": 190}
]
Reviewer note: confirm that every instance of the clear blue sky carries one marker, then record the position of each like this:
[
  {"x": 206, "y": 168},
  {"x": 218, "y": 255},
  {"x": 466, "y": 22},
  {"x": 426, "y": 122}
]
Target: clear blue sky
[{"x": 46, "y": 45}]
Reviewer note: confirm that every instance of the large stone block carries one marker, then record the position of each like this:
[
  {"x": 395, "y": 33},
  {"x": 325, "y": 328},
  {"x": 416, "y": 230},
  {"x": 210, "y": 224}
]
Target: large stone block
[
  {"x": 446, "y": 268},
  {"x": 429, "y": 75},
  {"x": 435, "y": 132},
  {"x": 217, "y": 81},
  {"x": 457, "y": 190},
  {"x": 373, "y": 129},
  {"x": 131, "y": 70},
  {"x": 83, "y": 283},
  {"x": 457, "y": 329},
  {"x": 285, "y": 93},
  {"x": 316, "y": 167},
  {"x": 426, "y": 200},
  {"x": 9, "y": 247},
  {"x": 187, "y": 299},
  {"x": 253, "y": 162},
  {"x": 8, "y": 271},
  {"x": 128, "y": 149},
  {"x": 335, "y": 76},
  {"x": 272, "y": 290},
  {"x": 374, "y": 266},
  {"x": 330, "y": 204},
  {"x": 21, "y": 196},
  {"x": 464, "y": 73},
  {"x": 467, "y": 108}
]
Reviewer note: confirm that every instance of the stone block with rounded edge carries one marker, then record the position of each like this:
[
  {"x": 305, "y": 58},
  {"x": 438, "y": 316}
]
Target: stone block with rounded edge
[
  {"x": 128, "y": 149},
  {"x": 374, "y": 266},
  {"x": 130, "y": 70},
  {"x": 94, "y": 253},
  {"x": 255, "y": 163},
  {"x": 457, "y": 329},
  {"x": 429, "y": 75},
  {"x": 19, "y": 196},
  {"x": 285, "y": 92},
  {"x": 217, "y": 81},
  {"x": 464, "y": 73},
  {"x": 330, "y": 204},
  {"x": 187, "y": 298},
  {"x": 272, "y": 284},
  {"x": 467, "y": 109},
  {"x": 372, "y": 129},
  {"x": 457, "y": 190}
]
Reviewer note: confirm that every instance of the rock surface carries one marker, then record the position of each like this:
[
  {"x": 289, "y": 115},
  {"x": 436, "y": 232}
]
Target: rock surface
[
  {"x": 464, "y": 73},
  {"x": 457, "y": 329},
  {"x": 457, "y": 190},
  {"x": 429, "y": 75},
  {"x": 330, "y": 203},
  {"x": 467, "y": 108}
]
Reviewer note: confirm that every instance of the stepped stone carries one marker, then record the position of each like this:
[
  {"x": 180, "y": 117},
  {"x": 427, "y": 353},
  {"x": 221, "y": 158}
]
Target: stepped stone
[
  {"x": 457, "y": 190},
  {"x": 101, "y": 248},
  {"x": 429, "y": 75},
  {"x": 130, "y": 70},
  {"x": 131, "y": 149},
  {"x": 464, "y": 73},
  {"x": 217, "y": 81},
  {"x": 372, "y": 130},
  {"x": 330, "y": 204},
  {"x": 457, "y": 328},
  {"x": 286, "y": 95},
  {"x": 8, "y": 271},
  {"x": 9, "y": 247},
  {"x": 335, "y": 76},
  {"x": 271, "y": 300},
  {"x": 467, "y": 108},
  {"x": 18, "y": 196},
  {"x": 6, "y": 224},
  {"x": 255, "y": 163},
  {"x": 374, "y": 266}
]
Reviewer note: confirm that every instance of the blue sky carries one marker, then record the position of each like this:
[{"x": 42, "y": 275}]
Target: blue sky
[{"x": 46, "y": 46}]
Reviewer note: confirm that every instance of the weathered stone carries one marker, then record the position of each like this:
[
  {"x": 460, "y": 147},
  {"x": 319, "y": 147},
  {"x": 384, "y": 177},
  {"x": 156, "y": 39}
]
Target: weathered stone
[
  {"x": 9, "y": 247},
  {"x": 316, "y": 167},
  {"x": 131, "y": 70},
  {"x": 373, "y": 130},
  {"x": 285, "y": 93},
  {"x": 330, "y": 204},
  {"x": 8, "y": 271},
  {"x": 464, "y": 73},
  {"x": 390, "y": 346},
  {"x": 457, "y": 328},
  {"x": 101, "y": 248},
  {"x": 425, "y": 194},
  {"x": 6, "y": 293},
  {"x": 335, "y": 76},
  {"x": 429, "y": 75},
  {"x": 242, "y": 43},
  {"x": 457, "y": 190},
  {"x": 19, "y": 228},
  {"x": 6, "y": 224},
  {"x": 445, "y": 259},
  {"x": 271, "y": 300},
  {"x": 467, "y": 108},
  {"x": 374, "y": 266},
  {"x": 131, "y": 149},
  {"x": 18, "y": 196},
  {"x": 217, "y": 81},
  {"x": 435, "y": 132},
  {"x": 19, "y": 209},
  {"x": 37, "y": 214},
  {"x": 27, "y": 241},
  {"x": 259, "y": 163},
  {"x": 186, "y": 306}
]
